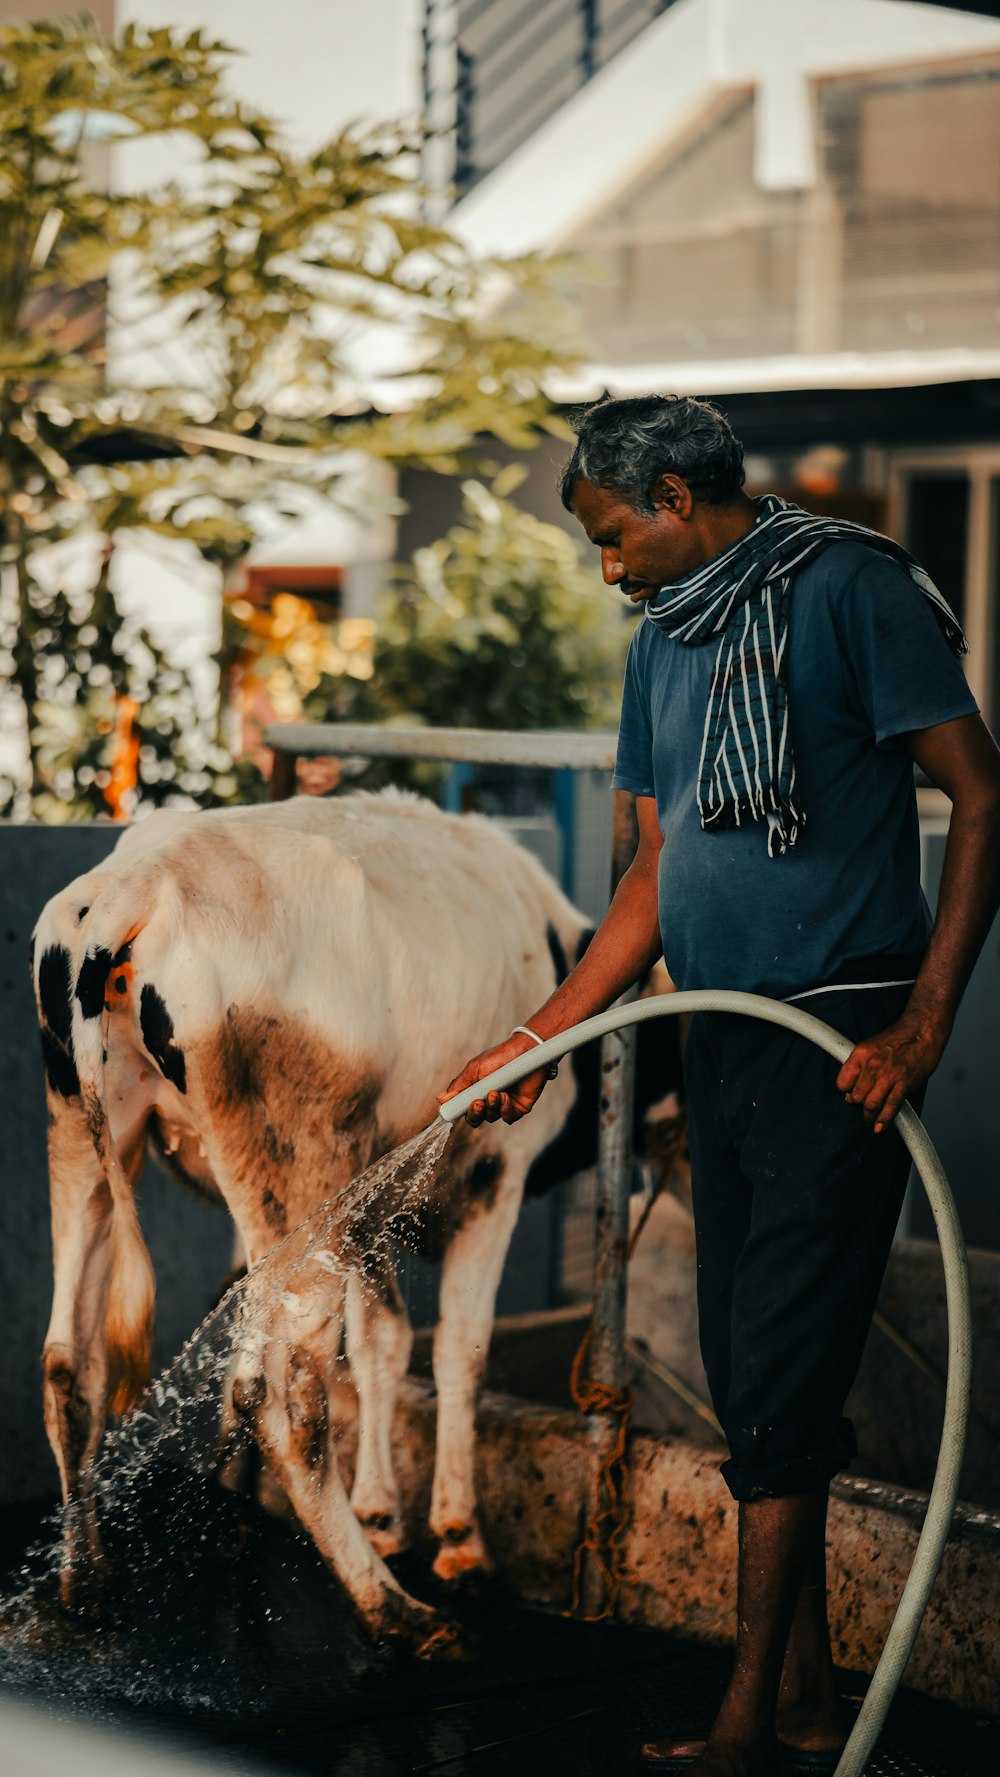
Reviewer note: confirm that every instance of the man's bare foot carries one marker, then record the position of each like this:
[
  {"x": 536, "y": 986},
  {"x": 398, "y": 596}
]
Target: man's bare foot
[
  {"x": 812, "y": 1730},
  {"x": 666, "y": 1752},
  {"x": 714, "y": 1757}
]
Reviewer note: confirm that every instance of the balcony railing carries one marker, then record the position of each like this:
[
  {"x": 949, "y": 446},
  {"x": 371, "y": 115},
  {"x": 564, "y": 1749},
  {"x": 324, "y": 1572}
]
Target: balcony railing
[{"x": 512, "y": 64}]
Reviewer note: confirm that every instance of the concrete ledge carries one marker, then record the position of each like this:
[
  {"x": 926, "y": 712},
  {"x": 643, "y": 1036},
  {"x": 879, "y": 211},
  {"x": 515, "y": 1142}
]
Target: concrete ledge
[{"x": 535, "y": 1470}]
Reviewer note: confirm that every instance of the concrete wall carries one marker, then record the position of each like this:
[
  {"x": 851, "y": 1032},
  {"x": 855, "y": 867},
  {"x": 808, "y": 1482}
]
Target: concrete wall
[{"x": 535, "y": 1466}]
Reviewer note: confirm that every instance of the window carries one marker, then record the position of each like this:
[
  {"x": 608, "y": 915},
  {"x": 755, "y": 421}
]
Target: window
[{"x": 945, "y": 506}]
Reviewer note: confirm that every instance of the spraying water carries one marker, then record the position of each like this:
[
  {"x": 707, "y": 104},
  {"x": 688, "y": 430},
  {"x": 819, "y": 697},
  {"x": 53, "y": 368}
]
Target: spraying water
[{"x": 161, "y": 1523}]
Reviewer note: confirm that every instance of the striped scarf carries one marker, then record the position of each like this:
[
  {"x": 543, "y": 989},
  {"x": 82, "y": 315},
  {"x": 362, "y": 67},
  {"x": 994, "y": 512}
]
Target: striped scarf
[{"x": 743, "y": 596}]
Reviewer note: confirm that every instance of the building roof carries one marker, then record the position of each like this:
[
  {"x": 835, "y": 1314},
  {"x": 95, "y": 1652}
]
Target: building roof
[{"x": 649, "y": 101}]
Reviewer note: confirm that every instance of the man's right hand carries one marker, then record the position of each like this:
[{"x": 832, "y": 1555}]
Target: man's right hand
[{"x": 507, "y": 1106}]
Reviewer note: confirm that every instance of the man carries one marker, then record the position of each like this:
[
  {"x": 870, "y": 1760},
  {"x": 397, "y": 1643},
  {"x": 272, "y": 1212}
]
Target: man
[{"x": 787, "y": 674}]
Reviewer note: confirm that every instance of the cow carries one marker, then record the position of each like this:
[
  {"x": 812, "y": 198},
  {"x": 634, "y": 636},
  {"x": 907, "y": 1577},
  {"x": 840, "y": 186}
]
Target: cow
[{"x": 270, "y": 997}]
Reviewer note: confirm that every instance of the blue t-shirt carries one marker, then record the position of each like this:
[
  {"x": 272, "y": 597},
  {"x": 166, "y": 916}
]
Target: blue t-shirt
[{"x": 866, "y": 662}]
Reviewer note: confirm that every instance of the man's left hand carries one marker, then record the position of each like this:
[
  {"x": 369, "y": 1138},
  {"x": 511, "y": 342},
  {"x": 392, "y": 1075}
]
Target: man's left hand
[{"x": 883, "y": 1070}]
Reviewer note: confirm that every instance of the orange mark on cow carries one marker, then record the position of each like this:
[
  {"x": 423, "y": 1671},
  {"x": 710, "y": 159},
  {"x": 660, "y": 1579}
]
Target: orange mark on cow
[
  {"x": 118, "y": 991},
  {"x": 121, "y": 976}
]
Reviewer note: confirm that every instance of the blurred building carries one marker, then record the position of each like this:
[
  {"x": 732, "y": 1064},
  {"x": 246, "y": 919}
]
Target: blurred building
[{"x": 792, "y": 208}]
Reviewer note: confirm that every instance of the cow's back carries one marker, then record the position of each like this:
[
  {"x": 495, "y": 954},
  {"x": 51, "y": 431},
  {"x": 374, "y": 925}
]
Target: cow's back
[
  {"x": 378, "y": 909},
  {"x": 306, "y": 966}
]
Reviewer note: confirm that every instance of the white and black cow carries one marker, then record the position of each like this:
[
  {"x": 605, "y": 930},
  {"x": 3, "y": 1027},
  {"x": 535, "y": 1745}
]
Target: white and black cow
[{"x": 272, "y": 996}]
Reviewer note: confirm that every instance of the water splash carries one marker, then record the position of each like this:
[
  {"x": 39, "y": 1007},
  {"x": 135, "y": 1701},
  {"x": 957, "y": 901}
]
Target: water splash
[{"x": 157, "y": 1516}]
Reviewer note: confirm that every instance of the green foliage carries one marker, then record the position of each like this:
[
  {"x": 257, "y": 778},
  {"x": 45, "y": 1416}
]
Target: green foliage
[
  {"x": 277, "y": 315},
  {"x": 499, "y": 625}
]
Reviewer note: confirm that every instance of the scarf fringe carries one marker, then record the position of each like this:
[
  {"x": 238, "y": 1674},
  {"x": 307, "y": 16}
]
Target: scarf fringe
[{"x": 783, "y": 819}]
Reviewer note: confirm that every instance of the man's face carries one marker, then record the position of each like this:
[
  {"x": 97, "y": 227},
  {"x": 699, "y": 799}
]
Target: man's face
[{"x": 640, "y": 551}]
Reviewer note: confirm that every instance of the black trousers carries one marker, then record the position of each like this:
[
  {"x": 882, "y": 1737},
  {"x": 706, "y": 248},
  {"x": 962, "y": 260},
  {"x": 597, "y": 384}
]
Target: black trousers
[{"x": 796, "y": 1202}]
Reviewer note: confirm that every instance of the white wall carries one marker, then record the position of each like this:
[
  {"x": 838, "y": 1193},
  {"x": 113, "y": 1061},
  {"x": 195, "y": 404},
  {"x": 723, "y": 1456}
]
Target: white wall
[
  {"x": 624, "y": 120},
  {"x": 314, "y": 66}
]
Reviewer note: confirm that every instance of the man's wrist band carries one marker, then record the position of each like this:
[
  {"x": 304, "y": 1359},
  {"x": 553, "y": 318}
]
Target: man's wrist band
[{"x": 524, "y": 1030}]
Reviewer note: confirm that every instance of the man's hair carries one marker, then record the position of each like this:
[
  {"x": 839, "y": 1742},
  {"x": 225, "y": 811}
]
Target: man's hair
[{"x": 626, "y": 444}]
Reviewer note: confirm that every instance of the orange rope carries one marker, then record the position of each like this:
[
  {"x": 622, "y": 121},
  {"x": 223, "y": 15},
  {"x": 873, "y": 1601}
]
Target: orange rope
[{"x": 612, "y": 1510}]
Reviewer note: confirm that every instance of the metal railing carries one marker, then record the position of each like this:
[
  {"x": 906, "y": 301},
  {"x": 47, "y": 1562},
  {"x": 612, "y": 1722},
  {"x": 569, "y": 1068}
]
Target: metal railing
[
  {"x": 557, "y": 750},
  {"x": 506, "y": 80},
  {"x": 544, "y": 748}
]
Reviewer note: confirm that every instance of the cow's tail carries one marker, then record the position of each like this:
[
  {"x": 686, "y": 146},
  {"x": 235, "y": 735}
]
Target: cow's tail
[{"x": 107, "y": 935}]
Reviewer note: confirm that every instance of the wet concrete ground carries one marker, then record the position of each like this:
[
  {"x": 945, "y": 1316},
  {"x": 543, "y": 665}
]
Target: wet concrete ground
[{"x": 229, "y": 1632}]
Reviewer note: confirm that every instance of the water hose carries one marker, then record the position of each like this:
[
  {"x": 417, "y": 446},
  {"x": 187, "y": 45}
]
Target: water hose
[{"x": 944, "y": 1491}]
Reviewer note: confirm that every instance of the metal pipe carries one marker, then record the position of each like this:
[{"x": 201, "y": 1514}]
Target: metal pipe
[
  {"x": 578, "y": 749},
  {"x": 614, "y": 1164},
  {"x": 606, "y": 1354}
]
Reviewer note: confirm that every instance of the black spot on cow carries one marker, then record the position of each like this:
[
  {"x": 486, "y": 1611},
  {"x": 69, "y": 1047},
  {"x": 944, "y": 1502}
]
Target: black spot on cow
[
  {"x": 81, "y": 914},
  {"x": 71, "y": 1408},
  {"x": 305, "y": 1401},
  {"x": 274, "y": 1211},
  {"x": 60, "y": 1068},
  {"x": 281, "y": 1152},
  {"x": 483, "y": 1177},
  {"x": 92, "y": 980},
  {"x": 239, "y": 1055},
  {"x": 157, "y": 1028},
  {"x": 123, "y": 955},
  {"x": 557, "y": 953},
  {"x": 55, "y": 987},
  {"x": 358, "y": 1110}
]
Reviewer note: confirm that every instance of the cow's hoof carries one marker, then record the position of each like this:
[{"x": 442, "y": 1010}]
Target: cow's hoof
[
  {"x": 421, "y": 1631},
  {"x": 462, "y": 1558},
  {"x": 385, "y": 1533},
  {"x": 446, "y": 1642}
]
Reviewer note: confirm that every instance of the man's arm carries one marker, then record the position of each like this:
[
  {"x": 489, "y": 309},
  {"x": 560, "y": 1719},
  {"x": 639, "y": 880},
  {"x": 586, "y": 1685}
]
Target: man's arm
[
  {"x": 961, "y": 757},
  {"x": 625, "y": 945}
]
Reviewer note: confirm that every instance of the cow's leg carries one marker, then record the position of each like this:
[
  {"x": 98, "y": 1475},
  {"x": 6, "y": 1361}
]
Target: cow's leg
[
  {"x": 238, "y": 1459},
  {"x": 470, "y": 1278},
  {"x": 75, "y": 1355},
  {"x": 281, "y": 1390},
  {"x": 379, "y": 1341}
]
